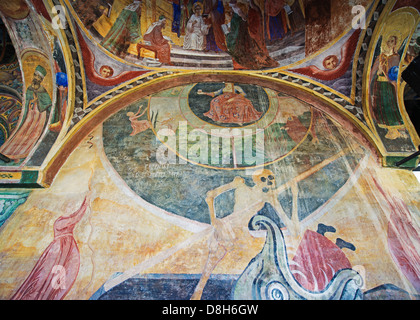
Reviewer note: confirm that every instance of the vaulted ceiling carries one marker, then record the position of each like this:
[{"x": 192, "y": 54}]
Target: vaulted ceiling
[{"x": 64, "y": 37}]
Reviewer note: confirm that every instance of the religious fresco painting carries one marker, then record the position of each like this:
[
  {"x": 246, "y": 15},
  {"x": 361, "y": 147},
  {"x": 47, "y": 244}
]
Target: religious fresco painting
[
  {"x": 383, "y": 88},
  {"x": 208, "y": 150},
  {"x": 36, "y": 110},
  {"x": 214, "y": 33},
  {"x": 11, "y": 86}
]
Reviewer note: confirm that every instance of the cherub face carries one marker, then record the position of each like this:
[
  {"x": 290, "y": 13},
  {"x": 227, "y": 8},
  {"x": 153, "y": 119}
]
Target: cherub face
[
  {"x": 197, "y": 10},
  {"x": 330, "y": 62},
  {"x": 106, "y": 72}
]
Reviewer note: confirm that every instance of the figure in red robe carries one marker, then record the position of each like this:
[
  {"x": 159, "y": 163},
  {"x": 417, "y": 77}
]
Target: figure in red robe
[
  {"x": 56, "y": 270},
  {"x": 256, "y": 25},
  {"x": 158, "y": 42},
  {"x": 214, "y": 11},
  {"x": 138, "y": 126},
  {"x": 318, "y": 259},
  {"x": 35, "y": 115},
  {"x": 231, "y": 106}
]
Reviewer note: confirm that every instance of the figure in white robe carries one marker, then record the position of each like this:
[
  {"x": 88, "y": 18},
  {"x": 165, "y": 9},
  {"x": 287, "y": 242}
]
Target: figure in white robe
[{"x": 197, "y": 29}]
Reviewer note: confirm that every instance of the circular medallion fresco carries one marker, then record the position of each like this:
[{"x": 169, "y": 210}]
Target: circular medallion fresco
[
  {"x": 228, "y": 104},
  {"x": 170, "y": 149},
  {"x": 229, "y": 125}
]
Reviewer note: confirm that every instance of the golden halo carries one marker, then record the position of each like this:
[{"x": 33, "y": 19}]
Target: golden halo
[
  {"x": 198, "y": 4},
  {"x": 392, "y": 33},
  {"x": 400, "y": 24}
]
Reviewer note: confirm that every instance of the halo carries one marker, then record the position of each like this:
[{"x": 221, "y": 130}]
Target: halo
[
  {"x": 198, "y": 4},
  {"x": 398, "y": 24},
  {"x": 391, "y": 33}
]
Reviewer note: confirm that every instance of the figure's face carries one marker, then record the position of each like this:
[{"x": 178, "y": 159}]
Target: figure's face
[
  {"x": 392, "y": 42},
  {"x": 331, "y": 62},
  {"x": 264, "y": 179},
  {"x": 36, "y": 81},
  {"x": 106, "y": 72}
]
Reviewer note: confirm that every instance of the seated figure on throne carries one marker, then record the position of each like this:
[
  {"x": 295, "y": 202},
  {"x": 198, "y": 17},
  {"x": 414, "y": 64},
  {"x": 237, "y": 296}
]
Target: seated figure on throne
[
  {"x": 158, "y": 42},
  {"x": 231, "y": 106}
]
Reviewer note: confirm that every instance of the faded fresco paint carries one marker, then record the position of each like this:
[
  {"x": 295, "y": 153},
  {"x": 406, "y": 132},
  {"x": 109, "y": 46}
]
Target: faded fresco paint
[
  {"x": 383, "y": 85},
  {"x": 286, "y": 30},
  {"x": 334, "y": 201},
  {"x": 232, "y": 150}
]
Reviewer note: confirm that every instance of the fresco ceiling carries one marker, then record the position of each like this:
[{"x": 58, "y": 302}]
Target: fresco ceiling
[
  {"x": 257, "y": 118},
  {"x": 332, "y": 65}
]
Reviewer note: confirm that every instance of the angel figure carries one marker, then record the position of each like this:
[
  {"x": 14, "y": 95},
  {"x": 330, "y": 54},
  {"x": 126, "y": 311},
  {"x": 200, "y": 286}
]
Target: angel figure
[
  {"x": 333, "y": 66},
  {"x": 230, "y": 105}
]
